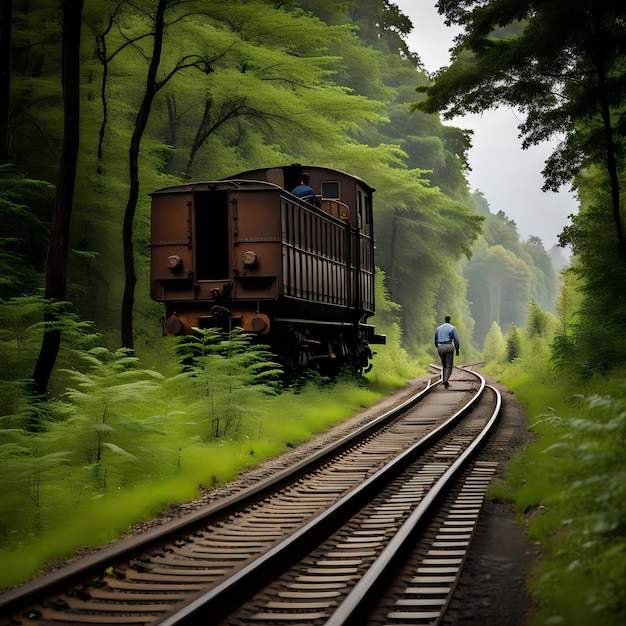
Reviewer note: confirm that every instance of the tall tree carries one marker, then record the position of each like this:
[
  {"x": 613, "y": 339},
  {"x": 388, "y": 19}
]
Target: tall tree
[
  {"x": 6, "y": 14},
  {"x": 141, "y": 121},
  {"x": 264, "y": 90},
  {"x": 153, "y": 85},
  {"x": 105, "y": 58},
  {"x": 58, "y": 247},
  {"x": 563, "y": 65}
]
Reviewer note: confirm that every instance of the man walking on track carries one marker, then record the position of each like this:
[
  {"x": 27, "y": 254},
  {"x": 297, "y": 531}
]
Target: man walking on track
[{"x": 446, "y": 342}]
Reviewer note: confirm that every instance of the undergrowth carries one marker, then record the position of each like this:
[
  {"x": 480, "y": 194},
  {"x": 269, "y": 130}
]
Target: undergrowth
[
  {"x": 569, "y": 489},
  {"x": 123, "y": 442}
]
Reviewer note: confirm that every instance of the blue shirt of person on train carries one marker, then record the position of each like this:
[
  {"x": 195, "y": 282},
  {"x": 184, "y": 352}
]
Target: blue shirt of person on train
[{"x": 303, "y": 190}]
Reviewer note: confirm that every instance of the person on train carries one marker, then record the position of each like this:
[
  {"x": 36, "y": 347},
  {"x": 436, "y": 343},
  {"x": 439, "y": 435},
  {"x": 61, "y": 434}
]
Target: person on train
[
  {"x": 305, "y": 191},
  {"x": 446, "y": 342}
]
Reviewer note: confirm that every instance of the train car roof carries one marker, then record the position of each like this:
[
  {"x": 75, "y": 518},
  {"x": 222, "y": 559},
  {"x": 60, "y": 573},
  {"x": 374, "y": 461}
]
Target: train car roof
[
  {"x": 237, "y": 180},
  {"x": 214, "y": 184},
  {"x": 306, "y": 168}
]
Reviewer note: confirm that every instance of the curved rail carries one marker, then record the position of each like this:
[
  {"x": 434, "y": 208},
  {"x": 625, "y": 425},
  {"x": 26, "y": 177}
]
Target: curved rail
[
  {"x": 216, "y": 603},
  {"x": 352, "y": 608}
]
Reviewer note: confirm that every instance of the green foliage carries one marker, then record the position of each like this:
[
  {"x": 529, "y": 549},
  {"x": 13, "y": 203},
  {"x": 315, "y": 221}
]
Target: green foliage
[
  {"x": 537, "y": 321},
  {"x": 501, "y": 285},
  {"x": 575, "y": 483},
  {"x": 568, "y": 485},
  {"x": 103, "y": 403},
  {"x": 524, "y": 350},
  {"x": 568, "y": 302},
  {"x": 251, "y": 108},
  {"x": 18, "y": 317},
  {"x": 561, "y": 71},
  {"x": 392, "y": 363},
  {"x": 227, "y": 373},
  {"x": 422, "y": 228},
  {"x": 21, "y": 330},
  {"x": 494, "y": 346},
  {"x": 125, "y": 442},
  {"x": 513, "y": 343},
  {"x": 565, "y": 346},
  {"x": 545, "y": 278},
  {"x": 592, "y": 339},
  {"x": 565, "y": 73},
  {"x": 27, "y": 483},
  {"x": 236, "y": 351},
  {"x": 25, "y": 206},
  {"x": 504, "y": 274}
]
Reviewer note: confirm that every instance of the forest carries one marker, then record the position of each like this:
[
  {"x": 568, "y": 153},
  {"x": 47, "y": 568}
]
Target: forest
[{"x": 105, "y": 101}]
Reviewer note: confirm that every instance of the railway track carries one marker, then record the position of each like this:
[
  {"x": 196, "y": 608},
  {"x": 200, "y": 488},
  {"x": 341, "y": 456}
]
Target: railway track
[{"x": 393, "y": 503}]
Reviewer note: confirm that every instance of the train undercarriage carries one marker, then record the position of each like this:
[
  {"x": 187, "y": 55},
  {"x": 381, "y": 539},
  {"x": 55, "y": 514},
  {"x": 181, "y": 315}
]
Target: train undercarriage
[{"x": 299, "y": 345}]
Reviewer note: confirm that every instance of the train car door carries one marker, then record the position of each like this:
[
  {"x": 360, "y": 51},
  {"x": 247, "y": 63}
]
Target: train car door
[{"x": 211, "y": 240}]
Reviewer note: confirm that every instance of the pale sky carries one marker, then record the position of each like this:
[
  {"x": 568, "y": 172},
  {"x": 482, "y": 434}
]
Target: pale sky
[{"x": 509, "y": 177}]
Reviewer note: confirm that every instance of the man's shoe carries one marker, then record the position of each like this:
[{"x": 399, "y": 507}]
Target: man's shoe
[{"x": 446, "y": 384}]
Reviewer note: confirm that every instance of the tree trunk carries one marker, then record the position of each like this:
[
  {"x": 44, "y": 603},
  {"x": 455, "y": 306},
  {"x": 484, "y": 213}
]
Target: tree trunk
[
  {"x": 6, "y": 11},
  {"x": 102, "y": 52},
  {"x": 611, "y": 165},
  {"x": 58, "y": 246},
  {"x": 128, "y": 299}
]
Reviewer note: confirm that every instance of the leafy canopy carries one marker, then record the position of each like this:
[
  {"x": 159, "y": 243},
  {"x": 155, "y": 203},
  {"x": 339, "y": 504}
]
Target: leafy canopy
[{"x": 560, "y": 65}]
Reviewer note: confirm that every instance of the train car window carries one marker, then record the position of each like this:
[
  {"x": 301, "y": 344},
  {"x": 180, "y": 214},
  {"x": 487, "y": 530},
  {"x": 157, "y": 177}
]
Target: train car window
[
  {"x": 211, "y": 235},
  {"x": 330, "y": 189}
]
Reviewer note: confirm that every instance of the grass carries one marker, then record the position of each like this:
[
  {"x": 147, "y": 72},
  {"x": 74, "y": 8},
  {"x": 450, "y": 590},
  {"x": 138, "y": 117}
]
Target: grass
[
  {"x": 567, "y": 489},
  {"x": 178, "y": 452}
]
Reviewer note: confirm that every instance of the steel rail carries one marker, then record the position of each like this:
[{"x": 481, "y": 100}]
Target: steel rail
[
  {"x": 351, "y": 610},
  {"x": 217, "y": 602}
]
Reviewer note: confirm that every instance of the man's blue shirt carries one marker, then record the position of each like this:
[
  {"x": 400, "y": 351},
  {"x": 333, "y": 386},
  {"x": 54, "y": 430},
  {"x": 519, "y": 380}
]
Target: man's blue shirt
[
  {"x": 303, "y": 190},
  {"x": 446, "y": 333}
]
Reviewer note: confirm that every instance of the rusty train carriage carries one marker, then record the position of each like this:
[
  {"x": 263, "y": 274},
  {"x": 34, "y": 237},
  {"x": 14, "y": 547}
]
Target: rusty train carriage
[{"x": 245, "y": 252}]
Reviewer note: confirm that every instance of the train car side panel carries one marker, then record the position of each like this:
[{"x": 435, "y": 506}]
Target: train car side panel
[{"x": 315, "y": 264}]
